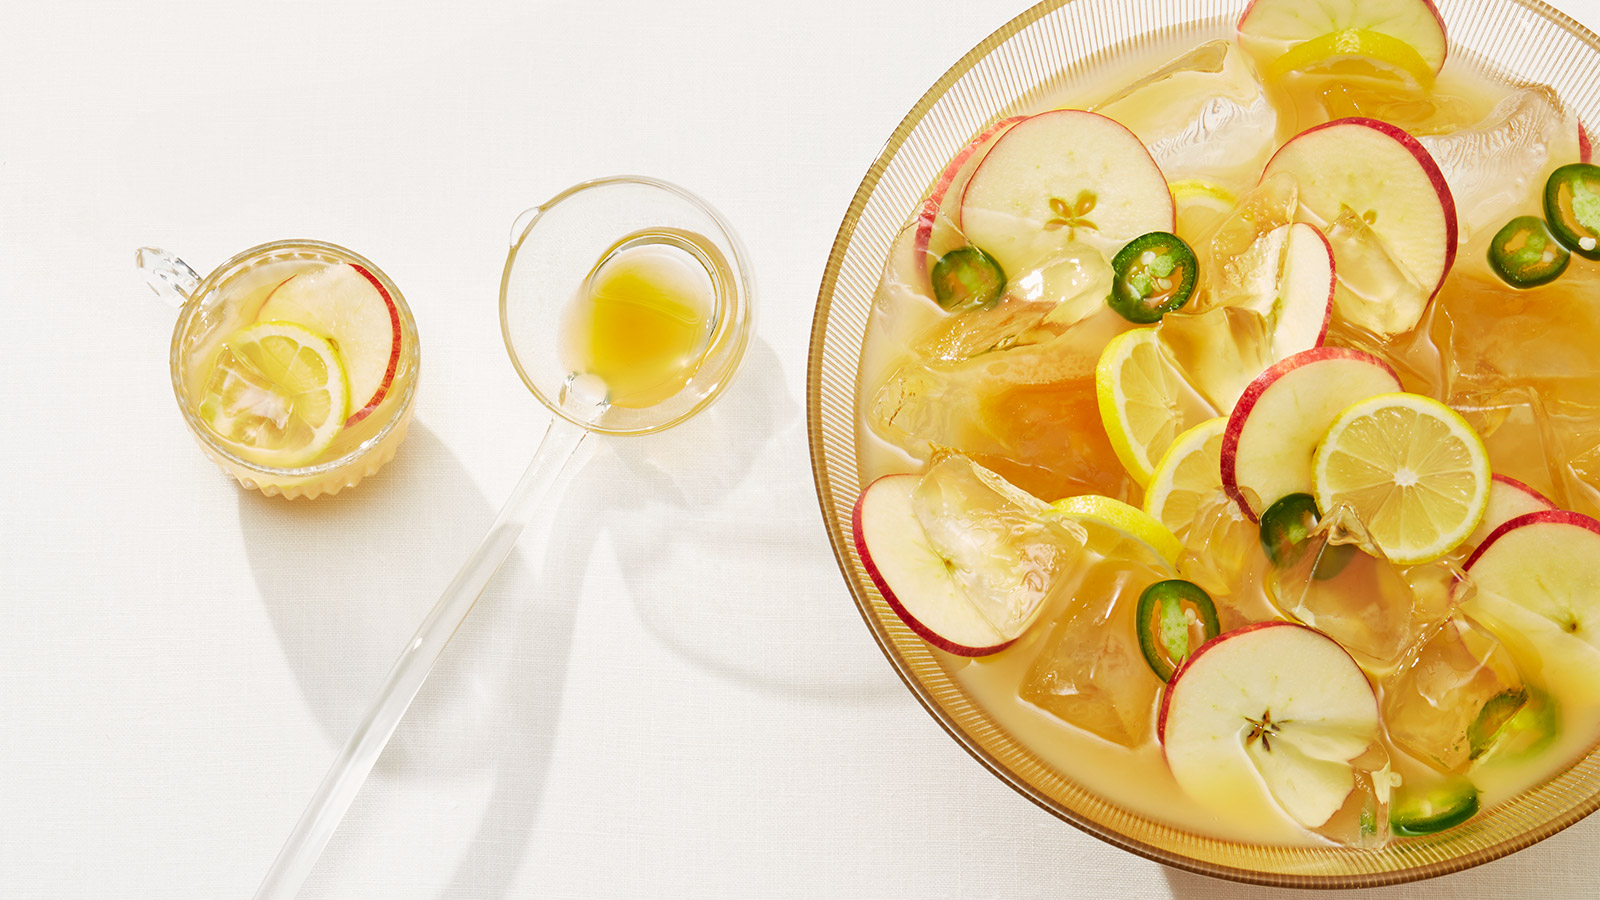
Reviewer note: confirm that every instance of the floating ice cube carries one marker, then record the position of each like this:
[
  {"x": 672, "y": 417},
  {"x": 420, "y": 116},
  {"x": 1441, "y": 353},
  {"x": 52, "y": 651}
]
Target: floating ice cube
[
  {"x": 1091, "y": 672},
  {"x": 1002, "y": 548},
  {"x": 1450, "y": 700},
  {"x": 1552, "y": 447},
  {"x": 1220, "y": 350},
  {"x": 1342, "y": 585},
  {"x": 1202, "y": 115},
  {"x": 1222, "y": 554},
  {"x": 1375, "y": 290},
  {"x": 1363, "y": 820},
  {"x": 1242, "y": 261},
  {"x": 1018, "y": 408},
  {"x": 1493, "y": 166}
]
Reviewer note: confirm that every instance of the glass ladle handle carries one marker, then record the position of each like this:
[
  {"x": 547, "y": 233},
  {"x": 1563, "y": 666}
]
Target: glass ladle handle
[
  {"x": 339, "y": 787},
  {"x": 170, "y": 277}
]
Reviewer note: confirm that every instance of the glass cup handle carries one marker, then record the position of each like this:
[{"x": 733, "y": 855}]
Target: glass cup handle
[
  {"x": 170, "y": 277},
  {"x": 519, "y": 226}
]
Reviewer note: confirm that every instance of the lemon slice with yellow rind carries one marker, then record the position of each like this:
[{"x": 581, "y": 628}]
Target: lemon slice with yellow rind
[
  {"x": 1411, "y": 468},
  {"x": 1200, "y": 206},
  {"x": 1144, "y": 400},
  {"x": 277, "y": 393},
  {"x": 1130, "y": 521},
  {"x": 1190, "y": 470},
  {"x": 1347, "y": 51}
]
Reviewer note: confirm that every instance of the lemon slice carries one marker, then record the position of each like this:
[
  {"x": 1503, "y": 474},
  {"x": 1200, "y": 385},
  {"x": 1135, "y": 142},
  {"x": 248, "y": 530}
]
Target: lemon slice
[
  {"x": 1355, "y": 51},
  {"x": 1144, "y": 400},
  {"x": 1130, "y": 521},
  {"x": 1189, "y": 471},
  {"x": 1200, "y": 206},
  {"x": 1411, "y": 468},
  {"x": 277, "y": 393}
]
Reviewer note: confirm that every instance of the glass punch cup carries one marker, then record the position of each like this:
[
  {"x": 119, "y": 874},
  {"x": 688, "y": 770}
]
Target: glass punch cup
[
  {"x": 626, "y": 306},
  {"x": 294, "y": 363}
]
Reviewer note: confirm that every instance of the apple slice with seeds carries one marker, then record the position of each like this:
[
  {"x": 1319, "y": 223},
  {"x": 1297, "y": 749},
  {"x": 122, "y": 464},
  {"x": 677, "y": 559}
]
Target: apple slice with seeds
[
  {"x": 1063, "y": 176},
  {"x": 938, "y": 221},
  {"x": 1275, "y": 705}
]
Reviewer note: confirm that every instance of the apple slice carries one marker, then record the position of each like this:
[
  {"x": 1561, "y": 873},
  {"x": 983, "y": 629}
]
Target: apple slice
[
  {"x": 937, "y": 221},
  {"x": 348, "y": 305},
  {"x": 1537, "y": 584},
  {"x": 1268, "y": 28},
  {"x": 1272, "y": 716},
  {"x": 1274, "y": 429},
  {"x": 1298, "y": 300},
  {"x": 1508, "y": 498},
  {"x": 1058, "y": 177},
  {"x": 1389, "y": 182},
  {"x": 964, "y": 558}
]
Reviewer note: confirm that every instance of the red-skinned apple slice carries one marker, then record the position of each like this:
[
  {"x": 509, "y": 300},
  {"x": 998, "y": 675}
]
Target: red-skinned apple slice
[
  {"x": 1270, "y": 27},
  {"x": 937, "y": 220},
  {"x": 1062, "y": 176},
  {"x": 1536, "y": 582},
  {"x": 1269, "y": 717},
  {"x": 1390, "y": 181},
  {"x": 1508, "y": 498},
  {"x": 963, "y": 557},
  {"x": 348, "y": 305},
  {"x": 1273, "y": 431},
  {"x": 1303, "y": 308}
]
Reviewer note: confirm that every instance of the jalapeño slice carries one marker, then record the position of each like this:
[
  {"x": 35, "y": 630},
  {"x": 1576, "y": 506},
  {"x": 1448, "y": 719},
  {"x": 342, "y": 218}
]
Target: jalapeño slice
[
  {"x": 1152, "y": 276},
  {"x": 1175, "y": 617},
  {"x": 967, "y": 278},
  {"x": 1432, "y": 806},
  {"x": 1284, "y": 528},
  {"x": 1572, "y": 207},
  {"x": 1525, "y": 254}
]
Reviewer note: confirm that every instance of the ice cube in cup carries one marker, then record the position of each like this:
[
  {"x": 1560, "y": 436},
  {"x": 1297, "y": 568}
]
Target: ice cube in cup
[{"x": 1222, "y": 554}]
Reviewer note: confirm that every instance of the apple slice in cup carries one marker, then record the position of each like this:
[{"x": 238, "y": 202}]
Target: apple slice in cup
[
  {"x": 964, "y": 558},
  {"x": 1061, "y": 177},
  {"x": 939, "y": 219},
  {"x": 1274, "y": 718},
  {"x": 1274, "y": 429},
  {"x": 1508, "y": 498},
  {"x": 349, "y": 306}
]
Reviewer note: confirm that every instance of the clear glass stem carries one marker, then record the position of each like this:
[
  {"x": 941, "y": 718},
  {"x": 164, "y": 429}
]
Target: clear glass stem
[{"x": 343, "y": 781}]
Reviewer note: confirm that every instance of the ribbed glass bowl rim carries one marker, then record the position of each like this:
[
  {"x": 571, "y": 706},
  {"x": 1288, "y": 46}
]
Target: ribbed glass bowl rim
[{"x": 1533, "y": 815}]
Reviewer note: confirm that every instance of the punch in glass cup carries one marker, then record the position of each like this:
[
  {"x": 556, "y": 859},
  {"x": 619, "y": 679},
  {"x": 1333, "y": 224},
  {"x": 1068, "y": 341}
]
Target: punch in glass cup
[
  {"x": 294, "y": 363},
  {"x": 626, "y": 307}
]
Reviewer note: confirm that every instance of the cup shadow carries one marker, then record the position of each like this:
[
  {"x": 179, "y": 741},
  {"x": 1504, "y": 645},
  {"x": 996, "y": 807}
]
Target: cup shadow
[{"x": 345, "y": 583}]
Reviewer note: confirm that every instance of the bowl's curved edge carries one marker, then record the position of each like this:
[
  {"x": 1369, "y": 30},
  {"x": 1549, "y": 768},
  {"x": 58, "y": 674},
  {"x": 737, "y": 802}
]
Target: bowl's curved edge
[{"x": 841, "y": 544}]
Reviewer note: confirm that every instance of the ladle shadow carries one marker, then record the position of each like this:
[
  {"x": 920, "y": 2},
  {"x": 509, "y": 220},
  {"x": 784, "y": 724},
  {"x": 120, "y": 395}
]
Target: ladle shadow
[{"x": 346, "y": 581}]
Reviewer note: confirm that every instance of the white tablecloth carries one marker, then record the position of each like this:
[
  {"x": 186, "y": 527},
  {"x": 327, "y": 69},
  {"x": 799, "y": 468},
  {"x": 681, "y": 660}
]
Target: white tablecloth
[{"x": 667, "y": 692}]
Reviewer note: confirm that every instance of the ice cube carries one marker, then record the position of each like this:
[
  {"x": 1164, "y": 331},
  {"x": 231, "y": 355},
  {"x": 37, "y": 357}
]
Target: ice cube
[
  {"x": 1413, "y": 355},
  {"x": 1543, "y": 338},
  {"x": 1241, "y": 263},
  {"x": 1004, "y": 550},
  {"x": 1222, "y": 554},
  {"x": 1202, "y": 115},
  {"x": 1363, "y": 820},
  {"x": 1495, "y": 165},
  {"x": 1552, "y": 447},
  {"x": 1091, "y": 672},
  {"x": 1452, "y": 697},
  {"x": 1026, "y": 410},
  {"x": 1219, "y": 350},
  {"x": 1341, "y": 584},
  {"x": 1375, "y": 290}
]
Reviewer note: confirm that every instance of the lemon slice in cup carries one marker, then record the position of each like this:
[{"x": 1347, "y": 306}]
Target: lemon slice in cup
[
  {"x": 1130, "y": 521},
  {"x": 278, "y": 394},
  {"x": 1356, "y": 51},
  {"x": 1411, "y": 468}
]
